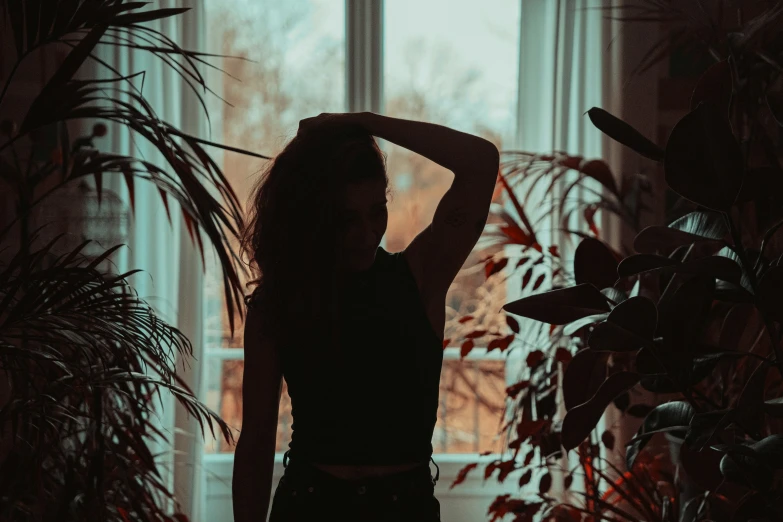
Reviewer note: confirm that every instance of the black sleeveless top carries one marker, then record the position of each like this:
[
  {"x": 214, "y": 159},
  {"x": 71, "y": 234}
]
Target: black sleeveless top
[{"x": 378, "y": 403}]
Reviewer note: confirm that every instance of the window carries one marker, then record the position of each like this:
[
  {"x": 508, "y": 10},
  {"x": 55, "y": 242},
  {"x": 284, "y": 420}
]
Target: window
[
  {"x": 431, "y": 73},
  {"x": 294, "y": 68}
]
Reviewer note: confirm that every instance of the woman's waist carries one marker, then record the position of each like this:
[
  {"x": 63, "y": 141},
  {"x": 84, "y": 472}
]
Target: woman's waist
[
  {"x": 357, "y": 471},
  {"x": 308, "y": 464}
]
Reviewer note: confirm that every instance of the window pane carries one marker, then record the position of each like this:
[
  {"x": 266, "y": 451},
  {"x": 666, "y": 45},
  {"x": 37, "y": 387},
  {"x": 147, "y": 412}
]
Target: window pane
[
  {"x": 224, "y": 395},
  {"x": 299, "y": 71},
  {"x": 433, "y": 72},
  {"x": 472, "y": 402}
]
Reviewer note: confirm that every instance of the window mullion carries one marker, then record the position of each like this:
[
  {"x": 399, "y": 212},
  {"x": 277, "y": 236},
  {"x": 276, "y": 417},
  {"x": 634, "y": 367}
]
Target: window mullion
[
  {"x": 364, "y": 55},
  {"x": 364, "y": 60}
]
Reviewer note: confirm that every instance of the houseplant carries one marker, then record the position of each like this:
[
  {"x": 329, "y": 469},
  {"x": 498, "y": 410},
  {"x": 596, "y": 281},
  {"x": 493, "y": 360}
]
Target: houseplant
[
  {"x": 82, "y": 356},
  {"x": 695, "y": 313},
  {"x": 730, "y": 224}
]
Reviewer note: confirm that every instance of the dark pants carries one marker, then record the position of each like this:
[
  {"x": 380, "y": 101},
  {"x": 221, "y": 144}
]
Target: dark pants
[{"x": 306, "y": 493}]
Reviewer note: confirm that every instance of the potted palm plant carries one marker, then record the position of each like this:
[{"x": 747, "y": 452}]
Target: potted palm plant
[{"x": 82, "y": 357}]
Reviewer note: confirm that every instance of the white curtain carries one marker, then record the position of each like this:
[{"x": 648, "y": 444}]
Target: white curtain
[
  {"x": 172, "y": 277},
  {"x": 574, "y": 56}
]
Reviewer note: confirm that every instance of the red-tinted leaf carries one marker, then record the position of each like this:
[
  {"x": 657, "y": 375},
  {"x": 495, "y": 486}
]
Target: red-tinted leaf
[
  {"x": 500, "y": 343},
  {"x": 525, "y": 478},
  {"x": 582, "y": 419},
  {"x": 123, "y": 513},
  {"x": 595, "y": 263},
  {"x": 505, "y": 468},
  {"x": 572, "y": 162},
  {"x": 554, "y": 251},
  {"x": 623, "y": 133},
  {"x": 493, "y": 267},
  {"x": 608, "y": 439},
  {"x": 517, "y": 206},
  {"x": 164, "y": 197},
  {"x": 526, "y": 277},
  {"x": 529, "y": 457},
  {"x": 704, "y": 162},
  {"x": 188, "y": 223},
  {"x": 476, "y": 334},
  {"x": 545, "y": 484},
  {"x": 539, "y": 282},
  {"x": 513, "y": 390},
  {"x": 589, "y": 214},
  {"x": 488, "y": 266},
  {"x": 465, "y": 319},
  {"x": 463, "y": 474},
  {"x": 531, "y": 428},
  {"x": 446, "y": 343},
  {"x": 561, "y": 306},
  {"x": 534, "y": 358},
  {"x": 467, "y": 346},
  {"x": 516, "y": 235},
  {"x": 512, "y": 323},
  {"x": 563, "y": 355},
  {"x": 599, "y": 170}
]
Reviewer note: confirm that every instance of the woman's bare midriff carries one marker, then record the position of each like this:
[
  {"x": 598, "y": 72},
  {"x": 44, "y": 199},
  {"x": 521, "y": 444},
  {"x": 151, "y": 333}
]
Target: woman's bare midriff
[{"x": 359, "y": 472}]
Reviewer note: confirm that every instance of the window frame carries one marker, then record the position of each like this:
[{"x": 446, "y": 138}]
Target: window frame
[{"x": 364, "y": 42}]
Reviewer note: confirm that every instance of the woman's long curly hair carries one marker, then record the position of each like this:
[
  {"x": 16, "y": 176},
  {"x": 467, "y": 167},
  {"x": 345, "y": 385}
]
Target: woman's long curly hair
[{"x": 291, "y": 232}]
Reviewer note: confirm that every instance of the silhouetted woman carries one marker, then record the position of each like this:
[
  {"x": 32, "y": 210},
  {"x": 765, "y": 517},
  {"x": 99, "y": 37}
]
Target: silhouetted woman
[{"x": 356, "y": 331}]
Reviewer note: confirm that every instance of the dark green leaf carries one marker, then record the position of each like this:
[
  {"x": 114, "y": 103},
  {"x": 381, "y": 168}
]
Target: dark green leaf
[
  {"x": 52, "y": 93},
  {"x": 582, "y": 419},
  {"x": 623, "y": 133},
  {"x": 595, "y": 263},
  {"x": 715, "y": 87},
  {"x": 704, "y": 162},
  {"x": 696, "y": 227},
  {"x": 561, "y": 306},
  {"x": 670, "y": 416},
  {"x": 583, "y": 377},
  {"x": 641, "y": 263},
  {"x": 630, "y": 325}
]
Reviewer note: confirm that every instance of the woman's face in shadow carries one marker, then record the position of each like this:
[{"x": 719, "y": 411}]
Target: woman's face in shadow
[{"x": 362, "y": 219}]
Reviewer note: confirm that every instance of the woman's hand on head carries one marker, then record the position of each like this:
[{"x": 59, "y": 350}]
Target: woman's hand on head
[{"x": 328, "y": 117}]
